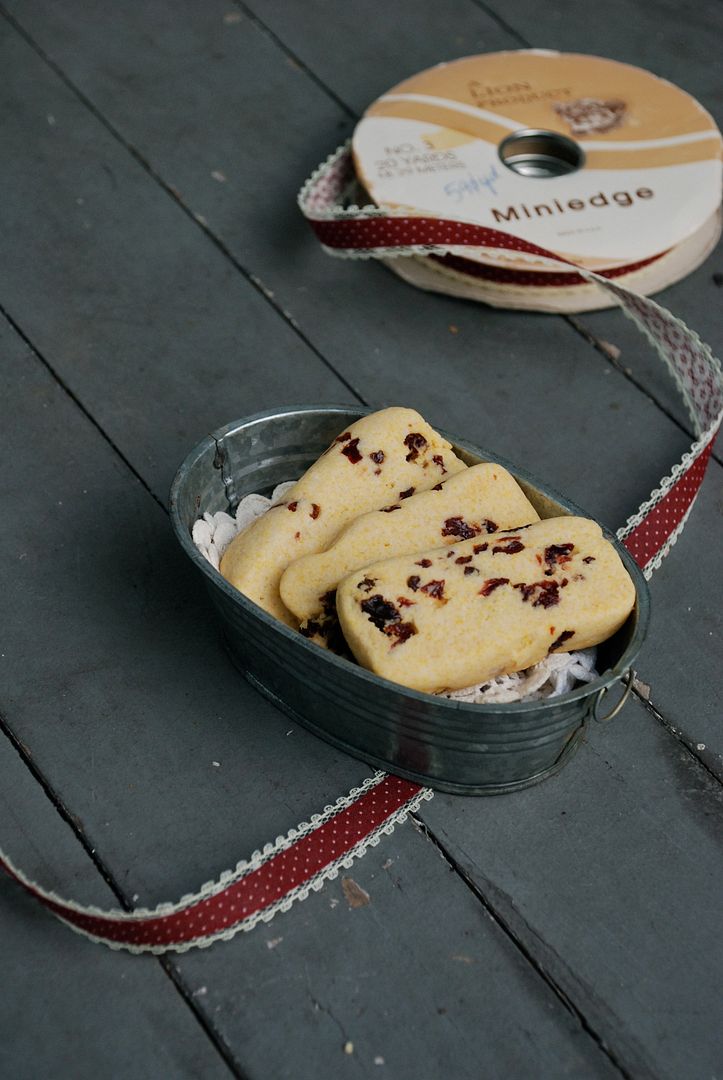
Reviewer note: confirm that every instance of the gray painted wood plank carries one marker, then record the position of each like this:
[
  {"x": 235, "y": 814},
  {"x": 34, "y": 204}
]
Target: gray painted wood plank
[
  {"x": 131, "y": 300},
  {"x": 528, "y": 440},
  {"x": 363, "y": 51},
  {"x": 635, "y": 930},
  {"x": 68, "y": 1008},
  {"x": 609, "y": 447},
  {"x": 678, "y": 42},
  {"x": 421, "y": 977},
  {"x": 136, "y": 666},
  {"x": 126, "y": 702},
  {"x": 681, "y": 659},
  {"x": 698, "y": 302}
]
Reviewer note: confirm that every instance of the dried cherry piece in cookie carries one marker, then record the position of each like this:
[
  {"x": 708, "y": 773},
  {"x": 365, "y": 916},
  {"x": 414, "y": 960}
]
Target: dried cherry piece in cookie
[
  {"x": 351, "y": 451},
  {"x": 493, "y": 583},
  {"x": 457, "y": 526},
  {"x": 414, "y": 443},
  {"x": 380, "y": 611}
]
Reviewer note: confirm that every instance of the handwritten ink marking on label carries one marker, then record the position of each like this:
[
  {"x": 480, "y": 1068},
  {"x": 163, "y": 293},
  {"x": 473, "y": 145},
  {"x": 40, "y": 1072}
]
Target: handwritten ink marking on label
[{"x": 458, "y": 190}]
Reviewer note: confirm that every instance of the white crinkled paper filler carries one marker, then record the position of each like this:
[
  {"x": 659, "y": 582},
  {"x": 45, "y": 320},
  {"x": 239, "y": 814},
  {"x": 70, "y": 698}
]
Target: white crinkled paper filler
[
  {"x": 554, "y": 675},
  {"x": 213, "y": 533}
]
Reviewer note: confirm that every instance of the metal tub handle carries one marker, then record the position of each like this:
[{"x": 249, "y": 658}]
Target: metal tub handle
[{"x": 628, "y": 679}]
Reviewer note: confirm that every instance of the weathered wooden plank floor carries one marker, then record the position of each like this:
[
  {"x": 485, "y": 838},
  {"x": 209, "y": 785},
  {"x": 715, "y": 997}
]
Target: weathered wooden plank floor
[{"x": 569, "y": 930}]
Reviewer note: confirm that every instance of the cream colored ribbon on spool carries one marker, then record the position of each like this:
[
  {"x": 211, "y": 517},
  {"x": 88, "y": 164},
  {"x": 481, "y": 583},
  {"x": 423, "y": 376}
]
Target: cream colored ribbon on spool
[{"x": 600, "y": 162}]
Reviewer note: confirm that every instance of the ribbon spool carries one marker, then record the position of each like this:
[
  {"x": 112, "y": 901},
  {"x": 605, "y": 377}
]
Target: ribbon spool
[{"x": 601, "y": 163}]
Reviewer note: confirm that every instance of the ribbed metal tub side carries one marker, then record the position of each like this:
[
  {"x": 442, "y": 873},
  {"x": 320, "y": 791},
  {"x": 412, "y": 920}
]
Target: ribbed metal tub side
[{"x": 470, "y": 749}]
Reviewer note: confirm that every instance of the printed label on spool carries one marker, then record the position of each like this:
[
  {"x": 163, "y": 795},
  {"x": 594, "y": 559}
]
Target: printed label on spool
[{"x": 601, "y": 162}]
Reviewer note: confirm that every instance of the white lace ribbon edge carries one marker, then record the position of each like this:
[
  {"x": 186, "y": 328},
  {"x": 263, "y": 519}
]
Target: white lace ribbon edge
[
  {"x": 228, "y": 877},
  {"x": 618, "y": 291},
  {"x": 301, "y": 892},
  {"x": 331, "y": 871}
]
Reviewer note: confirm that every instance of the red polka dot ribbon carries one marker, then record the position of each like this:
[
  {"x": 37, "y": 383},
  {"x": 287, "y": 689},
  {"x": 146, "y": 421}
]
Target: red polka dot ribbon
[
  {"x": 286, "y": 871},
  {"x": 539, "y": 278},
  {"x": 271, "y": 881}
]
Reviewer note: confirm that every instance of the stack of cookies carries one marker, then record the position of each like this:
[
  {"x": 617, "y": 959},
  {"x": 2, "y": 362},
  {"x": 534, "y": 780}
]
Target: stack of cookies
[{"x": 429, "y": 573}]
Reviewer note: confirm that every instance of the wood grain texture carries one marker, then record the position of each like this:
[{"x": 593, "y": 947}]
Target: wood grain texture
[
  {"x": 164, "y": 327},
  {"x": 131, "y": 687},
  {"x": 70, "y": 1009},
  {"x": 680, "y": 43},
  {"x": 421, "y": 977},
  {"x": 526, "y": 385},
  {"x": 174, "y": 769},
  {"x": 138, "y": 304},
  {"x": 631, "y": 930}
]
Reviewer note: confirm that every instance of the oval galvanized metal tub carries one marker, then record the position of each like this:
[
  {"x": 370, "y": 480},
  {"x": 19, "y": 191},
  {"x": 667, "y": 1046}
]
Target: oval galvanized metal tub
[{"x": 449, "y": 745}]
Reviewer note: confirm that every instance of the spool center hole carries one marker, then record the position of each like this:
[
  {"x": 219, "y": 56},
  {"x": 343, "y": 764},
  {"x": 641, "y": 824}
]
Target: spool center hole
[{"x": 541, "y": 154}]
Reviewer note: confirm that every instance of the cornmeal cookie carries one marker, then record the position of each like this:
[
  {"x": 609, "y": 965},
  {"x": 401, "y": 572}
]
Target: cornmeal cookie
[
  {"x": 474, "y": 502},
  {"x": 446, "y": 619},
  {"x": 367, "y": 466}
]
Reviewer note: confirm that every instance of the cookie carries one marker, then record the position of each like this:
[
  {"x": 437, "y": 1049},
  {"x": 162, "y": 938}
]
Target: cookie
[
  {"x": 488, "y": 606},
  {"x": 474, "y": 502},
  {"x": 367, "y": 466}
]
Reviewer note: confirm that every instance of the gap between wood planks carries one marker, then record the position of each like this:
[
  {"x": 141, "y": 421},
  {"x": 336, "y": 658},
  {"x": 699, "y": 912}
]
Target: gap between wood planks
[
  {"x": 503, "y": 25},
  {"x": 218, "y": 243},
  {"x": 624, "y": 1054},
  {"x": 612, "y": 355},
  {"x": 601, "y": 347},
  {"x": 172, "y": 972},
  {"x": 79, "y": 405},
  {"x": 170, "y": 969},
  {"x": 527, "y": 949},
  {"x": 514, "y": 927}
]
